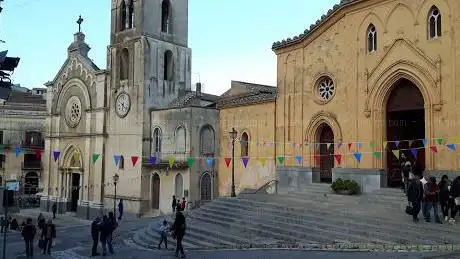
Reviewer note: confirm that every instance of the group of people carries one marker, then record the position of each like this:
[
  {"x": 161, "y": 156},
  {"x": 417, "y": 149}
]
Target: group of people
[
  {"x": 102, "y": 231},
  {"x": 426, "y": 194},
  {"x": 177, "y": 230},
  {"x": 47, "y": 234}
]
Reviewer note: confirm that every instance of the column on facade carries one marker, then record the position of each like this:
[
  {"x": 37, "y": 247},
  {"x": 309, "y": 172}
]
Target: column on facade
[
  {"x": 81, "y": 190},
  {"x": 61, "y": 184},
  {"x": 69, "y": 184}
]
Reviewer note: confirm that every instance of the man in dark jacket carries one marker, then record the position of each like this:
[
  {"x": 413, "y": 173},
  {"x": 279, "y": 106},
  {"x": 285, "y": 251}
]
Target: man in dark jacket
[
  {"x": 415, "y": 196},
  {"x": 48, "y": 235},
  {"x": 28, "y": 233},
  {"x": 178, "y": 229},
  {"x": 54, "y": 209},
  {"x": 431, "y": 199},
  {"x": 104, "y": 228},
  {"x": 95, "y": 236}
]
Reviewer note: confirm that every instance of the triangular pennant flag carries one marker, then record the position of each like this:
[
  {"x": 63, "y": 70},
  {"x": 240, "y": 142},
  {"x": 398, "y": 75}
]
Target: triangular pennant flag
[
  {"x": 396, "y": 153},
  {"x": 360, "y": 145},
  {"x": 38, "y": 154},
  {"x": 95, "y": 157},
  {"x": 56, "y": 155},
  {"x": 434, "y": 149},
  {"x": 227, "y": 161},
  {"x": 358, "y": 156},
  {"x": 317, "y": 158},
  {"x": 134, "y": 160},
  {"x": 262, "y": 161},
  {"x": 245, "y": 161},
  {"x": 339, "y": 145},
  {"x": 440, "y": 141},
  {"x": 372, "y": 144},
  {"x": 209, "y": 161},
  {"x": 299, "y": 159},
  {"x": 424, "y": 142},
  {"x": 378, "y": 154},
  {"x": 318, "y": 145},
  {"x": 116, "y": 159},
  {"x": 171, "y": 160},
  {"x": 414, "y": 152},
  {"x": 385, "y": 143},
  {"x": 338, "y": 158},
  {"x": 153, "y": 160},
  {"x": 18, "y": 151},
  {"x": 281, "y": 159},
  {"x": 410, "y": 142},
  {"x": 329, "y": 145},
  {"x": 190, "y": 162},
  {"x": 349, "y": 146},
  {"x": 451, "y": 147},
  {"x": 397, "y": 143}
]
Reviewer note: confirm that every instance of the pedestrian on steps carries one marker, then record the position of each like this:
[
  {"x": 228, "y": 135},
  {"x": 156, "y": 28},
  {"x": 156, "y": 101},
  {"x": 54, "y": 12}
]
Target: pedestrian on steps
[
  {"x": 28, "y": 233},
  {"x": 48, "y": 235},
  {"x": 54, "y": 209},
  {"x": 415, "y": 196},
  {"x": 113, "y": 224},
  {"x": 164, "y": 234},
  {"x": 95, "y": 235},
  {"x": 104, "y": 229},
  {"x": 405, "y": 169},
  {"x": 455, "y": 200},
  {"x": 174, "y": 204},
  {"x": 183, "y": 204},
  {"x": 444, "y": 193},
  {"x": 178, "y": 232},
  {"x": 431, "y": 200},
  {"x": 120, "y": 209}
]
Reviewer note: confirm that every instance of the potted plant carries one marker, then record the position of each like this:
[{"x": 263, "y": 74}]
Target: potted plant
[{"x": 346, "y": 187}]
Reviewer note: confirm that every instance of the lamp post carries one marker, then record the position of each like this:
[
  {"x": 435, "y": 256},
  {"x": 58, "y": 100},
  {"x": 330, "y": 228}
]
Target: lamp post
[
  {"x": 233, "y": 136},
  {"x": 115, "y": 181}
]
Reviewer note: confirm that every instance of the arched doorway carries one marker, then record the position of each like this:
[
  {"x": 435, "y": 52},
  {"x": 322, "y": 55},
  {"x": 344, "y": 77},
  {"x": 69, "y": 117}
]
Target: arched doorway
[
  {"x": 205, "y": 187},
  {"x": 325, "y": 136},
  {"x": 31, "y": 183},
  {"x": 179, "y": 184},
  {"x": 405, "y": 122},
  {"x": 155, "y": 191}
]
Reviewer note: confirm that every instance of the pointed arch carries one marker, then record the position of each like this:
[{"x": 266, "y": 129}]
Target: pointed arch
[
  {"x": 319, "y": 119},
  {"x": 131, "y": 14},
  {"x": 434, "y": 23},
  {"x": 168, "y": 71},
  {"x": 206, "y": 187},
  {"x": 124, "y": 64},
  {"x": 179, "y": 185},
  {"x": 371, "y": 38},
  {"x": 244, "y": 144},
  {"x": 396, "y": 7},
  {"x": 72, "y": 157},
  {"x": 181, "y": 138},
  {"x": 370, "y": 18},
  {"x": 156, "y": 141},
  {"x": 123, "y": 13},
  {"x": 165, "y": 16},
  {"x": 207, "y": 140}
]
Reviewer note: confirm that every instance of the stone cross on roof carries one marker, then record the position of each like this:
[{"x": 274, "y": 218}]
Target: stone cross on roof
[{"x": 79, "y": 22}]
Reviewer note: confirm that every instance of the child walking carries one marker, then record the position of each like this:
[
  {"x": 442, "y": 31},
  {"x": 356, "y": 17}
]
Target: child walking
[{"x": 164, "y": 234}]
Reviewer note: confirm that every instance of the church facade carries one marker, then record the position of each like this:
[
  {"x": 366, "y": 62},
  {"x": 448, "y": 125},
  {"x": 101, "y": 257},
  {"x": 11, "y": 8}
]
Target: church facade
[
  {"x": 369, "y": 81},
  {"x": 124, "y": 121}
]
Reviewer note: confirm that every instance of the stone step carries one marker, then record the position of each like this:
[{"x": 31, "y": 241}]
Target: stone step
[
  {"x": 320, "y": 232},
  {"x": 144, "y": 240},
  {"x": 400, "y": 220},
  {"x": 382, "y": 231},
  {"x": 191, "y": 237}
]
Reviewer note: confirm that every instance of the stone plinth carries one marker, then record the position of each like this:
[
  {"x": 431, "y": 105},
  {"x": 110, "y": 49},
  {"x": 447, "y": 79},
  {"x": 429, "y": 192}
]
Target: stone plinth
[{"x": 368, "y": 179}]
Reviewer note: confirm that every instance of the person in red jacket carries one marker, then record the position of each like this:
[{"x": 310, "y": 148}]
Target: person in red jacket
[
  {"x": 183, "y": 204},
  {"x": 431, "y": 200}
]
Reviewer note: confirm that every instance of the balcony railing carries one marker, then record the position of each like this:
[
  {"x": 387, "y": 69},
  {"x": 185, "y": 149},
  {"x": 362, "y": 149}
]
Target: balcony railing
[
  {"x": 33, "y": 145},
  {"x": 32, "y": 165},
  {"x": 162, "y": 160}
]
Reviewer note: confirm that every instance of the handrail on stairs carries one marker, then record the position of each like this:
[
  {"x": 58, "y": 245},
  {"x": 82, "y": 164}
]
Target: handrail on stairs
[{"x": 263, "y": 187}]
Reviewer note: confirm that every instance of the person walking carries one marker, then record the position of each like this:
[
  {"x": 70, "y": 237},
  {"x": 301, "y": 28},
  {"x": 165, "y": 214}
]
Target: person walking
[
  {"x": 415, "y": 196},
  {"x": 41, "y": 221},
  {"x": 444, "y": 193},
  {"x": 164, "y": 234},
  {"x": 184, "y": 204},
  {"x": 95, "y": 235},
  {"x": 28, "y": 234},
  {"x": 113, "y": 224},
  {"x": 104, "y": 229},
  {"x": 174, "y": 204},
  {"x": 54, "y": 209},
  {"x": 178, "y": 229},
  {"x": 431, "y": 200},
  {"x": 405, "y": 169},
  {"x": 120, "y": 209},
  {"x": 455, "y": 198},
  {"x": 48, "y": 235}
]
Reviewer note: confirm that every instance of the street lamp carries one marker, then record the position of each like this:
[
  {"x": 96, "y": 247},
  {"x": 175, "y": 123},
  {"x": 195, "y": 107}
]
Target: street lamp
[
  {"x": 115, "y": 181},
  {"x": 233, "y": 134}
]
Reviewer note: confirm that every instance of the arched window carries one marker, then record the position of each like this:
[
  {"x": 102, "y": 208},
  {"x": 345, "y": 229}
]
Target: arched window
[
  {"x": 207, "y": 141},
  {"x": 156, "y": 148},
  {"x": 131, "y": 15},
  {"x": 121, "y": 164},
  {"x": 124, "y": 64},
  {"x": 434, "y": 23},
  {"x": 180, "y": 140},
  {"x": 165, "y": 15},
  {"x": 123, "y": 16},
  {"x": 371, "y": 38},
  {"x": 168, "y": 66},
  {"x": 179, "y": 186},
  {"x": 244, "y": 145}
]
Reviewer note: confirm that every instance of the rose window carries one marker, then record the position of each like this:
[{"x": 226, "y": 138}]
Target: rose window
[
  {"x": 73, "y": 111},
  {"x": 326, "y": 89}
]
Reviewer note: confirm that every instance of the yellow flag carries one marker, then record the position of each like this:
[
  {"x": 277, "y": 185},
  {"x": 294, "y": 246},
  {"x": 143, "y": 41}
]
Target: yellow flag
[
  {"x": 385, "y": 145},
  {"x": 263, "y": 161},
  {"x": 396, "y": 153},
  {"x": 171, "y": 160}
]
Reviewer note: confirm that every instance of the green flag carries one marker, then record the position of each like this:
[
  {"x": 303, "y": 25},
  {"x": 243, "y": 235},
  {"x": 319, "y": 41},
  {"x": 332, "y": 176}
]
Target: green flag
[
  {"x": 190, "y": 161},
  {"x": 95, "y": 157},
  {"x": 378, "y": 154},
  {"x": 281, "y": 159},
  {"x": 440, "y": 141}
]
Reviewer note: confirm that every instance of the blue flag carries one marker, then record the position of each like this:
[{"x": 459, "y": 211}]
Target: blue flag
[{"x": 116, "y": 159}]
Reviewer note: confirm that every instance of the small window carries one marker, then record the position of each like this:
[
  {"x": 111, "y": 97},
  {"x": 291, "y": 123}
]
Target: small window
[
  {"x": 434, "y": 23},
  {"x": 165, "y": 15},
  {"x": 131, "y": 15},
  {"x": 124, "y": 64},
  {"x": 123, "y": 16},
  {"x": 121, "y": 164},
  {"x": 207, "y": 141},
  {"x": 168, "y": 66},
  {"x": 371, "y": 39},
  {"x": 180, "y": 140},
  {"x": 156, "y": 141},
  {"x": 244, "y": 145}
]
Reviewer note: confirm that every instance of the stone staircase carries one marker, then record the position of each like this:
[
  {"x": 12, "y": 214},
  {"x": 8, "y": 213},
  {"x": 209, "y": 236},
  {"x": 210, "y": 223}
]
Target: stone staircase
[{"x": 313, "y": 216}]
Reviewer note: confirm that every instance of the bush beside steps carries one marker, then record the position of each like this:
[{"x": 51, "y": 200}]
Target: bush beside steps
[{"x": 346, "y": 187}]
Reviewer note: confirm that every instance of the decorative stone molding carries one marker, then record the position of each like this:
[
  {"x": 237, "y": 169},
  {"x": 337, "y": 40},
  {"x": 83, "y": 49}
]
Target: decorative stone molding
[{"x": 320, "y": 118}]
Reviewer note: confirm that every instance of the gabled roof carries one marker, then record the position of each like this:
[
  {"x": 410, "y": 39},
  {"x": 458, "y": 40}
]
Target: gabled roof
[
  {"x": 192, "y": 98},
  {"x": 25, "y": 98},
  {"x": 296, "y": 39},
  {"x": 243, "y": 93}
]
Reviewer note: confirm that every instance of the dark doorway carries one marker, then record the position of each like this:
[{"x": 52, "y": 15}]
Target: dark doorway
[
  {"x": 156, "y": 192},
  {"x": 75, "y": 191},
  {"x": 205, "y": 187},
  {"x": 405, "y": 122},
  {"x": 326, "y": 152},
  {"x": 31, "y": 183}
]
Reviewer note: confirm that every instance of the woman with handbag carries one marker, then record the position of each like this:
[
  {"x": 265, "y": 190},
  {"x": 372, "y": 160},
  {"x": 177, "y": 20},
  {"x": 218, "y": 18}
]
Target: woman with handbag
[
  {"x": 178, "y": 232},
  {"x": 415, "y": 196}
]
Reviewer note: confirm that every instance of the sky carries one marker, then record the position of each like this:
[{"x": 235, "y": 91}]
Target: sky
[{"x": 230, "y": 39}]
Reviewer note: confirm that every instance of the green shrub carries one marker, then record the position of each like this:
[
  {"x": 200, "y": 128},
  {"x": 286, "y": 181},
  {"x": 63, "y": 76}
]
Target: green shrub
[{"x": 346, "y": 185}]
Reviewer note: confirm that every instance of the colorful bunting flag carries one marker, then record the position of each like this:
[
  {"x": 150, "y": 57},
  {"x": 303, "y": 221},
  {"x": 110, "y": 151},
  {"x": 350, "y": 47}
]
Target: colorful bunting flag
[
  {"x": 209, "y": 161},
  {"x": 116, "y": 159},
  {"x": 451, "y": 147},
  {"x": 378, "y": 154},
  {"x": 18, "y": 151},
  {"x": 95, "y": 157},
  {"x": 360, "y": 145},
  {"x": 329, "y": 145},
  {"x": 358, "y": 156},
  {"x": 339, "y": 145},
  {"x": 424, "y": 142},
  {"x": 414, "y": 152},
  {"x": 281, "y": 159},
  {"x": 397, "y": 143},
  {"x": 349, "y": 145},
  {"x": 434, "y": 149},
  {"x": 317, "y": 158},
  {"x": 134, "y": 160},
  {"x": 190, "y": 162},
  {"x": 227, "y": 161},
  {"x": 440, "y": 141},
  {"x": 56, "y": 155},
  {"x": 153, "y": 160},
  {"x": 396, "y": 153},
  {"x": 385, "y": 143},
  {"x": 338, "y": 158},
  {"x": 299, "y": 159},
  {"x": 245, "y": 161},
  {"x": 171, "y": 160},
  {"x": 410, "y": 142}
]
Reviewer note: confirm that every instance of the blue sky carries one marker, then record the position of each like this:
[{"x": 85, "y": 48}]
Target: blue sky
[{"x": 230, "y": 39}]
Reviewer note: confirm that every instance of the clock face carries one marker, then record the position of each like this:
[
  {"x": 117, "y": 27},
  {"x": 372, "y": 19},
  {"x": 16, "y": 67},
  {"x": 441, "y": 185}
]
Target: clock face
[{"x": 122, "y": 104}]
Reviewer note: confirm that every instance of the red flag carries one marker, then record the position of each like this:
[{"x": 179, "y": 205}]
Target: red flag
[
  {"x": 227, "y": 161},
  {"x": 317, "y": 158},
  {"x": 38, "y": 154},
  {"x": 349, "y": 146},
  {"x": 434, "y": 149},
  {"x": 134, "y": 160},
  {"x": 338, "y": 157}
]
